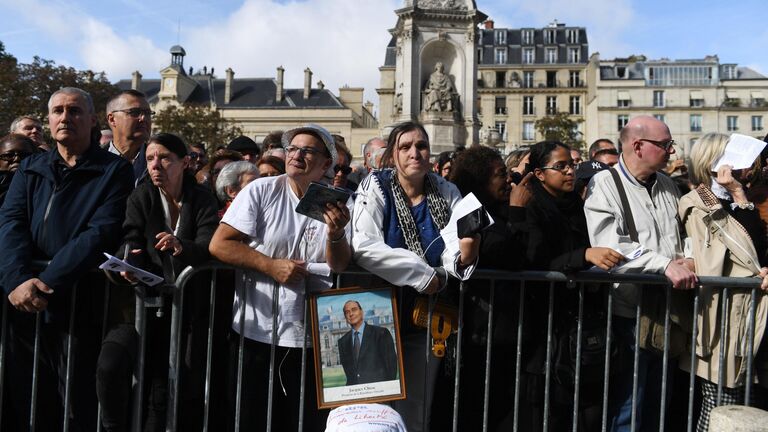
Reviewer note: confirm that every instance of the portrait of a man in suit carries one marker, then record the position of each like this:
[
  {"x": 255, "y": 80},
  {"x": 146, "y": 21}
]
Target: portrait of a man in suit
[{"x": 367, "y": 351}]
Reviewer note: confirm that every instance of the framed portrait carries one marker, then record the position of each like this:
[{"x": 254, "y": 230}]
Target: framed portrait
[{"x": 356, "y": 339}]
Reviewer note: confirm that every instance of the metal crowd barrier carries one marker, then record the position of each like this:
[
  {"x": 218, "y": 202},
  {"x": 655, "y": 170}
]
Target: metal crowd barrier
[{"x": 555, "y": 281}]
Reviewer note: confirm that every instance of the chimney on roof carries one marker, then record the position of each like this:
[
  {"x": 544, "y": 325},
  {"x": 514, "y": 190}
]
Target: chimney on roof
[
  {"x": 320, "y": 85},
  {"x": 205, "y": 70},
  {"x": 228, "y": 85},
  {"x": 489, "y": 24},
  {"x": 307, "y": 82},
  {"x": 279, "y": 91},
  {"x": 136, "y": 80}
]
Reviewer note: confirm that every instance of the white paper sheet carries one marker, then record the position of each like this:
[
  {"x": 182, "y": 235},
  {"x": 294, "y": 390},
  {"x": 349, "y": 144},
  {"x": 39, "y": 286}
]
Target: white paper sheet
[
  {"x": 631, "y": 255},
  {"x": 117, "y": 265},
  {"x": 740, "y": 152},
  {"x": 465, "y": 206}
]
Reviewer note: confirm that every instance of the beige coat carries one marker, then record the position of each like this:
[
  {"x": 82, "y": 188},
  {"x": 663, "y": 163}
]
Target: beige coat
[{"x": 721, "y": 247}]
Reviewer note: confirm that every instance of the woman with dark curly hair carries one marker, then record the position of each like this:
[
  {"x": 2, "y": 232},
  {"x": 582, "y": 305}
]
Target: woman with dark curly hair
[{"x": 481, "y": 171}]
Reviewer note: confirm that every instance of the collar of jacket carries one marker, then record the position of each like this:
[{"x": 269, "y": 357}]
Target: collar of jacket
[
  {"x": 628, "y": 175},
  {"x": 93, "y": 160}
]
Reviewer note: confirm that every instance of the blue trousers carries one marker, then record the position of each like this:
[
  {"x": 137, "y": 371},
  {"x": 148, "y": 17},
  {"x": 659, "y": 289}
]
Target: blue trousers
[{"x": 649, "y": 398}]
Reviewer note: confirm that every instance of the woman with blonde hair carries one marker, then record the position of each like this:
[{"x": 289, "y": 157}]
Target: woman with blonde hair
[{"x": 727, "y": 239}]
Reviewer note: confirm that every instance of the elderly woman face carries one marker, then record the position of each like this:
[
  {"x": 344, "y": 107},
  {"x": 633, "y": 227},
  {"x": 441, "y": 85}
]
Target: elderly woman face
[
  {"x": 411, "y": 154},
  {"x": 166, "y": 168}
]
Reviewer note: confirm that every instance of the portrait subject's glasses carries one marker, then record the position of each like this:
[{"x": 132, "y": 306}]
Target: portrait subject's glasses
[
  {"x": 345, "y": 170},
  {"x": 561, "y": 166},
  {"x": 136, "y": 112},
  {"x": 665, "y": 145},
  {"x": 13, "y": 155}
]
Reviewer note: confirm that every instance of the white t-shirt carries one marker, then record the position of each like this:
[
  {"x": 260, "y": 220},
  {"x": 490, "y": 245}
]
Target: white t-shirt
[{"x": 264, "y": 211}]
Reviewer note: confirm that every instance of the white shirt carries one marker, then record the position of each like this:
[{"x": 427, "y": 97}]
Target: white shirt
[{"x": 264, "y": 211}]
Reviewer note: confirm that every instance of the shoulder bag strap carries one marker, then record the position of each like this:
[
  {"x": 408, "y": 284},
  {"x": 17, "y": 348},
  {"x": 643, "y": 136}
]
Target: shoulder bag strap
[{"x": 625, "y": 203}]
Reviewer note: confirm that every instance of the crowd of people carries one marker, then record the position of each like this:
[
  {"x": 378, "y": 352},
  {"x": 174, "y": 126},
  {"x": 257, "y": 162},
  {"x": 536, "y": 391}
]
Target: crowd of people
[{"x": 163, "y": 204}]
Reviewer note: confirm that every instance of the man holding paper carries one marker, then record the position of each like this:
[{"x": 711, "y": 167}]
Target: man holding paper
[
  {"x": 652, "y": 198},
  {"x": 65, "y": 206}
]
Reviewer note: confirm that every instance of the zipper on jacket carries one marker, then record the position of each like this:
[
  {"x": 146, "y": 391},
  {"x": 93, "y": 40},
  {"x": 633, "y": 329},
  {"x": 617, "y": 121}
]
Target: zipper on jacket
[{"x": 47, "y": 213}]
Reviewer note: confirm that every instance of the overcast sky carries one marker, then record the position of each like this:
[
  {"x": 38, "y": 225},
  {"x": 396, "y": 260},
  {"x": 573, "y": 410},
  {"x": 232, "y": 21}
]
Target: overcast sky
[{"x": 343, "y": 41}]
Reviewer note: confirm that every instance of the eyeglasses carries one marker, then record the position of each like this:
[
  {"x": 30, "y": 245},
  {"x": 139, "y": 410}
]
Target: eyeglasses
[
  {"x": 136, "y": 112},
  {"x": 665, "y": 145},
  {"x": 561, "y": 166},
  {"x": 345, "y": 170},
  {"x": 13, "y": 155},
  {"x": 304, "y": 151},
  {"x": 194, "y": 155}
]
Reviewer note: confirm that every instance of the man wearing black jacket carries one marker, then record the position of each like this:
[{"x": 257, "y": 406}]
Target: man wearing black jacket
[
  {"x": 66, "y": 207},
  {"x": 366, "y": 351}
]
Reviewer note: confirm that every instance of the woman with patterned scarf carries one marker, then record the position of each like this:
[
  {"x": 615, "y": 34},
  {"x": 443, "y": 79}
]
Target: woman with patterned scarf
[
  {"x": 399, "y": 213},
  {"x": 728, "y": 239}
]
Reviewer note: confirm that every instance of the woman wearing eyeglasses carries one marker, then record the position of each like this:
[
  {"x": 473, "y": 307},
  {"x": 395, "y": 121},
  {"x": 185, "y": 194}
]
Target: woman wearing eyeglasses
[
  {"x": 14, "y": 148},
  {"x": 342, "y": 169},
  {"x": 554, "y": 230},
  {"x": 397, "y": 237}
]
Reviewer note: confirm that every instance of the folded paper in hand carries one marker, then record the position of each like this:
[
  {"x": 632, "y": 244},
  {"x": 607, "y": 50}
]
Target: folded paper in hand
[
  {"x": 117, "y": 265},
  {"x": 740, "y": 152}
]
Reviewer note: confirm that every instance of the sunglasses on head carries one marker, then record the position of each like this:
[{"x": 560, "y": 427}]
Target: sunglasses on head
[{"x": 343, "y": 169}]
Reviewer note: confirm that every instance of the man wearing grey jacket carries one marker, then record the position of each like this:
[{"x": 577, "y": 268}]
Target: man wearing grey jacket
[{"x": 653, "y": 199}]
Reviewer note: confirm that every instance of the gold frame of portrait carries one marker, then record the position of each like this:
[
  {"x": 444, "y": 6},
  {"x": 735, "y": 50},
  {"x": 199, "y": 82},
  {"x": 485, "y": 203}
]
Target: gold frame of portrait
[{"x": 366, "y": 391}]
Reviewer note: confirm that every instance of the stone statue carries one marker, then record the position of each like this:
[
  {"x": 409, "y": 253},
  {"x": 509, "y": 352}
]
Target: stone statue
[
  {"x": 442, "y": 4},
  {"x": 398, "y": 105},
  {"x": 439, "y": 91}
]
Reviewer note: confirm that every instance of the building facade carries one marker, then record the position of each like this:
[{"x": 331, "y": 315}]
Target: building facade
[
  {"x": 525, "y": 74},
  {"x": 261, "y": 105},
  {"x": 693, "y": 97}
]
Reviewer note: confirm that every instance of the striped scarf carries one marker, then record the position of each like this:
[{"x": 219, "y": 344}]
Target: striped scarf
[{"x": 438, "y": 209}]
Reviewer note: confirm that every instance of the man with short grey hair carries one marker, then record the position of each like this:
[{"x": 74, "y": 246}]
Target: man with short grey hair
[
  {"x": 130, "y": 119},
  {"x": 31, "y": 127},
  {"x": 372, "y": 152},
  {"x": 64, "y": 207}
]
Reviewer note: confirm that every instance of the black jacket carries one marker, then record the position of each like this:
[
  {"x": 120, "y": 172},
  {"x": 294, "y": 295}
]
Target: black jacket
[
  {"x": 145, "y": 219},
  {"x": 67, "y": 219},
  {"x": 554, "y": 231},
  {"x": 377, "y": 360}
]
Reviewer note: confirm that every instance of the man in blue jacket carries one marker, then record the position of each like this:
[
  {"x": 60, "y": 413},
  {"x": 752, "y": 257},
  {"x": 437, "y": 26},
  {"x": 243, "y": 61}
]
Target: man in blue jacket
[{"x": 65, "y": 206}]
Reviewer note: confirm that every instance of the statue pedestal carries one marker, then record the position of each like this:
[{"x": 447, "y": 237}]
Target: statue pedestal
[{"x": 445, "y": 134}]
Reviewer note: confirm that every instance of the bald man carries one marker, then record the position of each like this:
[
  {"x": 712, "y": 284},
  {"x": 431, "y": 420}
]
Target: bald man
[{"x": 653, "y": 198}]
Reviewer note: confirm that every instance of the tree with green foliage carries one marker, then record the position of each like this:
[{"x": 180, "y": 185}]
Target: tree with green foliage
[
  {"x": 26, "y": 88},
  {"x": 197, "y": 124},
  {"x": 561, "y": 127}
]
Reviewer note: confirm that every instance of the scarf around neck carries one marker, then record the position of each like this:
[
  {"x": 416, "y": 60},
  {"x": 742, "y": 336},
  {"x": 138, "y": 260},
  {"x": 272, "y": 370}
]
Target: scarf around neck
[{"x": 438, "y": 209}]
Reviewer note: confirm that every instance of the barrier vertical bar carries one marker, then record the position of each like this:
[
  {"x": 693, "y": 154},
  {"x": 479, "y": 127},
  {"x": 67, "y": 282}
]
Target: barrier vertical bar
[
  {"x": 457, "y": 380},
  {"x": 3, "y": 343},
  {"x": 518, "y": 356},
  {"x": 272, "y": 348},
  {"x": 35, "y": 372},
  {"x": 432, "y": 299},
  {"x": 70, "y": 358},
  {"x": 692, "y": 375},
  {"x": 548, "y": 362},
  {"x": 240, "y": 355},
  {"x": 303, "y": 365},
  {"x": 723, "y": 342},
  {"x": 174, "y": 353},
  {"x": 665, "y": 358},
  {"x": 636, "y": 361},
  {"x": 140, "y": 315},
  {"x": 607, "y": 371},
  {"x": 577, "y": 379},
  {"x": 750, "y": 346},
  {"x": 488, "y": 352},
  {"x": 104, "y": 324},
  {"x": 209, "y": 350}
]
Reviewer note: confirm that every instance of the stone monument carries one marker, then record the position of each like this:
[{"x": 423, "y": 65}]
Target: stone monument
[{"x": 430, "y": 71}]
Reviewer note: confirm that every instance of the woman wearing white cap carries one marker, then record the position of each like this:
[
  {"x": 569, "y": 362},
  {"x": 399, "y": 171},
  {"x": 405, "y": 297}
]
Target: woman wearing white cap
[{"x": 261, "y": 233}]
